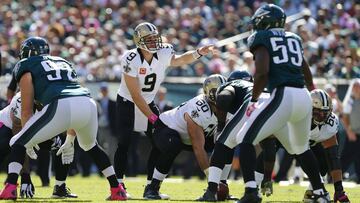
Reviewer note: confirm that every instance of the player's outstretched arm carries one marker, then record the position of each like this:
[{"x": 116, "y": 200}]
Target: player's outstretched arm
[
  {"x": 197, "y": 137},
  {"x": 190, "y": 56},
  {"x": 262, "y": 61}
]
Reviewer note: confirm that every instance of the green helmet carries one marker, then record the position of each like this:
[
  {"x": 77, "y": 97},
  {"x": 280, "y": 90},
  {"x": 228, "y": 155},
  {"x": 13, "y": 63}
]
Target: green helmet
[
  {"x": 268, "y": 16},
  {"x": 34, "y": 46}
]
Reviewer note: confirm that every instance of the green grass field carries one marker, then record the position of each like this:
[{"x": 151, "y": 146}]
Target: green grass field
[{"x": 96, "y": 189}]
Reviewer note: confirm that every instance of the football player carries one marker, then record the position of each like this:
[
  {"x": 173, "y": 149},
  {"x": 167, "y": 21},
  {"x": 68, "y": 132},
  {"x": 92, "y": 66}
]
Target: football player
[
  {"x": 11, "y": 119},
  {"x": 143, "y": 71},
  {"x": 186, "y": 127},
  {"x": 51, "y": 82},
  {"x": 323, "y": 140},
  {"x": 286, "y": 114},
  {"x": 232, "y": 98}
]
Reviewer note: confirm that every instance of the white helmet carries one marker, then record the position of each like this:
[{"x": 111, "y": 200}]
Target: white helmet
[
  {"x": 210, "y": 86},
  {"x": 147, "y": 37}
]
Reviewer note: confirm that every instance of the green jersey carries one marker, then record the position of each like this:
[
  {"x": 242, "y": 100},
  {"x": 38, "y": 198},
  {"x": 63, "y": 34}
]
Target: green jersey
[
  {"x": 53, "y": 78},
  {"x": 243, "y": 91},
  {"x": 286, "y": 56}
]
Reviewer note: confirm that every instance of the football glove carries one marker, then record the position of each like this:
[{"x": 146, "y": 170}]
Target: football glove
[
  {"x": 27, "y": 189},
  {"x": 67, "y": 150}
]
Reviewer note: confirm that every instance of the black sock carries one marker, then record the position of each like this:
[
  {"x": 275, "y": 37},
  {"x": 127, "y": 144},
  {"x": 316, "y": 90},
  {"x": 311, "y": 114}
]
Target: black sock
[
  {"x": 338, "y": 186},
  {"x": 17, "y": 154},
  {"x": 310, "y": 166},
  {"x": 61, "y": 170},
  {"x": 155, "y": 184},
  {"x": 247, "y": 161},
  {"x": 102, "y": 162},
  {"x": 212, "y": 187},
  {"x": 153, "y": 157},
  {"x": 121, "y": 160},
  {"x": 113, "y": 181}
]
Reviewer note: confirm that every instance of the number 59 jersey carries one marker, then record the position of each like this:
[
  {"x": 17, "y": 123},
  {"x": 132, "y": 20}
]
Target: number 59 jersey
[
  {"x": 324, "y": 132},
  {"x": 285, "y": 54},
  {"x": 199, "y": 111},
  {"x": 150, "y": 76},
  {"x": 52, "y": 77}
]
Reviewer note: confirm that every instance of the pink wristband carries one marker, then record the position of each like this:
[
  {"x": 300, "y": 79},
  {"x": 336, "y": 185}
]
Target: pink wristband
[{"x": 152, "y": 118}]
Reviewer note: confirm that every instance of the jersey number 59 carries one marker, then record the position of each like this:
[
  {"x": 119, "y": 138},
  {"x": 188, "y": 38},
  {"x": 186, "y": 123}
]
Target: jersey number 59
[{"x": 291, "y": 46}]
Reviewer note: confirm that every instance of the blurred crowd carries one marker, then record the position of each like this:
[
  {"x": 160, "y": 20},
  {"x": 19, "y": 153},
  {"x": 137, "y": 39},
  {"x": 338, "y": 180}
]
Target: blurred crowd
[{"x": 93, "y": 34}]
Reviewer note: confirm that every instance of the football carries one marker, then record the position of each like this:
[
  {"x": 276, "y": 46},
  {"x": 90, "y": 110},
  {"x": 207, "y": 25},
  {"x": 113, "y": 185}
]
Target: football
[{"x": 223, "y": 192}]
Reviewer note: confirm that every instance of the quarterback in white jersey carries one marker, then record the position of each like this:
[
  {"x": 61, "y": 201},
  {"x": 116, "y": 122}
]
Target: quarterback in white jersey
[
  {"x": 190, "y": 126},
  {"x": 143, "y": 70}
]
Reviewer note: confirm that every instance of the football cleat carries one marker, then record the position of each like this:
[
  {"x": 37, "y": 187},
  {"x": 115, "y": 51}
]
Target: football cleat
[
  {"x": 150, "y": 193},
  {"x": 128, "y": 196},
  {"x": 310, "y": 197},
  {"x": 341, "y": 197},
  {"x": 9, "y": 192},
  {"x": 117, "y": 193},
  {"x": 267, "y": 188},
  {"x": 208, "y": 196},
  {"x": 250, "y": 197},
  {"x": 62, "y": 192}
]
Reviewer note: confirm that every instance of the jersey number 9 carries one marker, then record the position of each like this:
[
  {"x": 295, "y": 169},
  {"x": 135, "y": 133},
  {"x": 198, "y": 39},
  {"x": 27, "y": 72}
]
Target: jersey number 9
[{"x": 150, "y": 81}]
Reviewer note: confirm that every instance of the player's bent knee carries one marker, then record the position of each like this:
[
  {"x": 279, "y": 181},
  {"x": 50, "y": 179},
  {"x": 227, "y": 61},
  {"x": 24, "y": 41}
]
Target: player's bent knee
[{"x": 87, "y": 147}]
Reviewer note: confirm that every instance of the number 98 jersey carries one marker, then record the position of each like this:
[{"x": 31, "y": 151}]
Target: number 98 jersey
[
  {"x": 150, "y": 76},
  {"x": 52, "y": 77},
  {"x": 199, "y": 111},
  {"x": 324, "y": 132},
  {"x": 285, "y": 54}
]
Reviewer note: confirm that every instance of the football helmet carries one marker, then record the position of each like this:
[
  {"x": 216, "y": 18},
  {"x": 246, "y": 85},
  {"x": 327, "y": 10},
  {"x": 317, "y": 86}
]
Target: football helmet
[
  {"x": 243, "y": 75},
  {"x": 34, "y": 46},
  {"x": 322, "y": 106},
  {"x": 268, "y": 16},
  {"x": 210, "y": 86},
  {"x": 147, "y": 37}
]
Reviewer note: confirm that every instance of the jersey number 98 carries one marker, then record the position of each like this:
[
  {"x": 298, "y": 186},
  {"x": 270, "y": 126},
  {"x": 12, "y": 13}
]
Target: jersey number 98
[{"x": 56, "y": 71}]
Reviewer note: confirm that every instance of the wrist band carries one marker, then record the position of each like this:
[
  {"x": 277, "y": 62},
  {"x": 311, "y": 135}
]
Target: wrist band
[
  {"x": 152, "y": 118},
  {"x": 196, "y": 54}
]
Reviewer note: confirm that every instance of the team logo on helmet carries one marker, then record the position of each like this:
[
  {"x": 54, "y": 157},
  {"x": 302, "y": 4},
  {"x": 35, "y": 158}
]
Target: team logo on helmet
[
  {"x": 210, "y": 86},
  {"x": 147, "y": 37}
]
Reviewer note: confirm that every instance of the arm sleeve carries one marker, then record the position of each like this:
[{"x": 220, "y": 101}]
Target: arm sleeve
[{"x": 13, "y": 84}]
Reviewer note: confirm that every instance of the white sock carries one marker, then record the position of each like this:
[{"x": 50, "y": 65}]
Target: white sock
[
  {"x": 148, "y": 182},
  {"x": 15, "y": 167},
  {"x": 225, "y": 172},
  {"x": 159, "y": 176},
  {"x": 109, "y": 171},
  {"x": 59, "y": 182},
  {"x": 309, "y": 187},
  {"x": 259, "y": 177},
  {"x": 250, "y": 184},
  {"x": 318, "y": 191},
  {"x": 214, "y": 174},
  {"x": 298, "y": 172},
  {"x": 120, "y": 180}
]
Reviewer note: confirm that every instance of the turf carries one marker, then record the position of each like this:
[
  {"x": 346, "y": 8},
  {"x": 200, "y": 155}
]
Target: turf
[{"x": 96, "y": 189}]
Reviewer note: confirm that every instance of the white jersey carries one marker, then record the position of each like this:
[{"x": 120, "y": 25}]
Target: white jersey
[
  {"x": 199, "y": 111},
  {"x": 324, "y": 132},
  {"x": 150, "y": 76},
  {"x": 15, "y": 107}
]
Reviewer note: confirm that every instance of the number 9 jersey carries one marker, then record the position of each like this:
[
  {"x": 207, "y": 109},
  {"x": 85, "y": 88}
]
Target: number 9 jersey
[
  {"x": 285, "y": 55},
  {"x": 150, "y": 76},
  {"x": 53, "y": 78}
]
